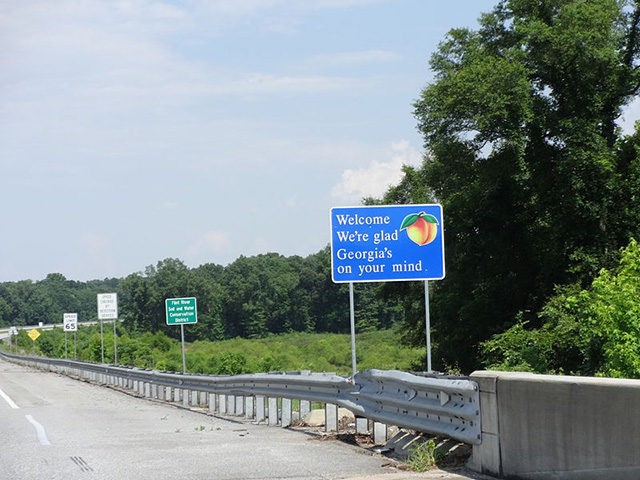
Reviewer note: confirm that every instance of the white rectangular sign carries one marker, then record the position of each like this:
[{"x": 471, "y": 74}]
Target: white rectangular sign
[
  {"x": 107, "y": 306},
  {"x": 70, "y": 322}
]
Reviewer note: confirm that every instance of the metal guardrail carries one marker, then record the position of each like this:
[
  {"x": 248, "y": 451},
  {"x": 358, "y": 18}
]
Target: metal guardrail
[{"x": 444, "y": 406}]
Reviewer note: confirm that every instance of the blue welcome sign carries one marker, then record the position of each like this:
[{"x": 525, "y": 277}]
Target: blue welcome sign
[{"x": 387, "y": 243}]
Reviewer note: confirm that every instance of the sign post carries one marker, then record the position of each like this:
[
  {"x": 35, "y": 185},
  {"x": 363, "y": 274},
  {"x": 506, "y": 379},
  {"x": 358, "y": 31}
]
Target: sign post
[
  {"x": 382, "y": 243},
  {"x": 69, "y": 324},
  {"x": 181, "y": 311},
  {"x": 108, "y": 310},
  {"x": 12, "y": 331}
]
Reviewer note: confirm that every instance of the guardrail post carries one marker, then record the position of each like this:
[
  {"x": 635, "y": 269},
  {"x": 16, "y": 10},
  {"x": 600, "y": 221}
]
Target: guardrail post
[
  {"x": 203, "y": 399},
  {"x": 194, "y": 398},
  {"x": 362, "y": 425},
  {"x": 260, "y": 413},
  {"x": 286, "y": 412},
  {"x": 239, "y": 410},
  {"x": 212, "y": 402},
  {"x": 222, "y": 404},
  {"x": 231, "y": 404},
  {"x": 330, "y": 417},
  {"x": 176, "y": 395},
  {"x": 147, "y": 389},
  {"x": 273, "y": 411},
  {"x": 379, "y": 433},
  {"x": 185, "y": 397},
  {"x": 305, "y": 408},
  {"x": 248, "y": 407}
]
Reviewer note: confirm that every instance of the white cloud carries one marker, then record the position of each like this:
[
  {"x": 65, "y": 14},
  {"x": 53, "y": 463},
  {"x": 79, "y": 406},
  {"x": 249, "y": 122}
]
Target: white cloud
[
  {"x": 170, "y": 205},
  {"x": 209, "y": 243},
  {"x": 95, "y": 244},
  {"x": 354, "y": 58},
  {"x": 97, "y": 253},
  {"x": 374, "y": 179},
  {"x": 257, "y": 84}
]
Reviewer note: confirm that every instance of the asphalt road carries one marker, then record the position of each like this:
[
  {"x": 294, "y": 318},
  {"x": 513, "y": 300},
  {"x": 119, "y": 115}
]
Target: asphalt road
[{"x": 53, "y": 427}]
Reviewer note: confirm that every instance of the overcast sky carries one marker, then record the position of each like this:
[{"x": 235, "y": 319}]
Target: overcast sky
[{"x": 133, "y": 131}]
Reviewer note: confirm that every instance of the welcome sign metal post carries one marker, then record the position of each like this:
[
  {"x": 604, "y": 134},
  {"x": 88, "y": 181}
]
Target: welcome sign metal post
[{"x": 383, "y": 243}]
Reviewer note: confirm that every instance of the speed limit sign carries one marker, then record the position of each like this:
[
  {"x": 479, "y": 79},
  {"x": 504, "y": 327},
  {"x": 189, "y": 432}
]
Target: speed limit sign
[{"x": 70, "y": 322}]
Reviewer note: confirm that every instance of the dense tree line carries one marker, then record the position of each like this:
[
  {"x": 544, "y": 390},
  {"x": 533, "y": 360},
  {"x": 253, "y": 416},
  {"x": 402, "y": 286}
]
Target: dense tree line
[
  {"x": 27, "y": 302},
  {"x": 252, "y": 297}
]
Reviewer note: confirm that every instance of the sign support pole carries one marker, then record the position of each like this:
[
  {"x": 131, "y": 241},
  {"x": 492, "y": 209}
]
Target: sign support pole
[
  {"x": 353, "y": 330},
  {"x": 184, "y": 357},
  {"x": 427, "y": 321},
  {"x": 65, "y": 345},
  {"x": 75, "y": 342},
  {"x": 115, "y": 342},
  {"x": 101, "y": 341}
]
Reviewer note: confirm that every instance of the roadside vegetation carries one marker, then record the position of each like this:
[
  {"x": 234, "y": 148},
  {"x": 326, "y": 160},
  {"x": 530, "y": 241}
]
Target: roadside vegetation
[{"x": 287, "y": 352}]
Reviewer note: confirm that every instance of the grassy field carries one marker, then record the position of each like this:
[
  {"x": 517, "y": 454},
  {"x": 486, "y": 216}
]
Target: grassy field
[
  {"x": 294, "y": 351},
  {"x": 315, "y": 352}
]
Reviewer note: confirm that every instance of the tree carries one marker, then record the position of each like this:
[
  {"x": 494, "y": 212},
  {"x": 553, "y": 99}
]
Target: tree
[
  {"x": 537, "y": 181},
  {"x": 261, "y": 296},
  {"x": 136, "y": 299},
  {"x": 61, "y": 295},
  {"x": 593, "y": 331}
]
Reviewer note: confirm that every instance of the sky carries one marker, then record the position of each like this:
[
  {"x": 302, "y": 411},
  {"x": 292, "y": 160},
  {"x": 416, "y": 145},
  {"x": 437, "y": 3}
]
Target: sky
[{"x": 138, "y": 130}]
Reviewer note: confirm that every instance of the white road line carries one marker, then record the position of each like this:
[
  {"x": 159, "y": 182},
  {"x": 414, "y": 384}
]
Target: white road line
[
  {"x": 7, "y": 399},
  {"x": 42, "y": 435}
]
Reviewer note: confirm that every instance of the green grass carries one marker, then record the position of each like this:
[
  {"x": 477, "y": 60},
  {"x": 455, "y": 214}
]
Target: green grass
[
  {"x": 306, "y": 351},
  {"x": 425, "y": 455},
  {"x": 294, "y": 351}
]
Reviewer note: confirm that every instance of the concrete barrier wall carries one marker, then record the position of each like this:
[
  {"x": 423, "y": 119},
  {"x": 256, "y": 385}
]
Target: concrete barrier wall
[{"x": 558, "y": 427}]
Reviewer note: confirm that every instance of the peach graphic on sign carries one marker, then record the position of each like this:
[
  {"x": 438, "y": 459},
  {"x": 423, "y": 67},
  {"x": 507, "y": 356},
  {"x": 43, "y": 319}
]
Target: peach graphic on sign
[{"x": 422, "y": 228}]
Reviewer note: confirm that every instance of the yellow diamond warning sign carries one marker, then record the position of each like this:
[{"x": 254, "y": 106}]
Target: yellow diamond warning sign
[{"x": 33, "y": 334}]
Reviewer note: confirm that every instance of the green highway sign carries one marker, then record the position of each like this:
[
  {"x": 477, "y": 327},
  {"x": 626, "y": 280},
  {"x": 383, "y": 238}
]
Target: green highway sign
[{"x": 181, "y": 311}]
